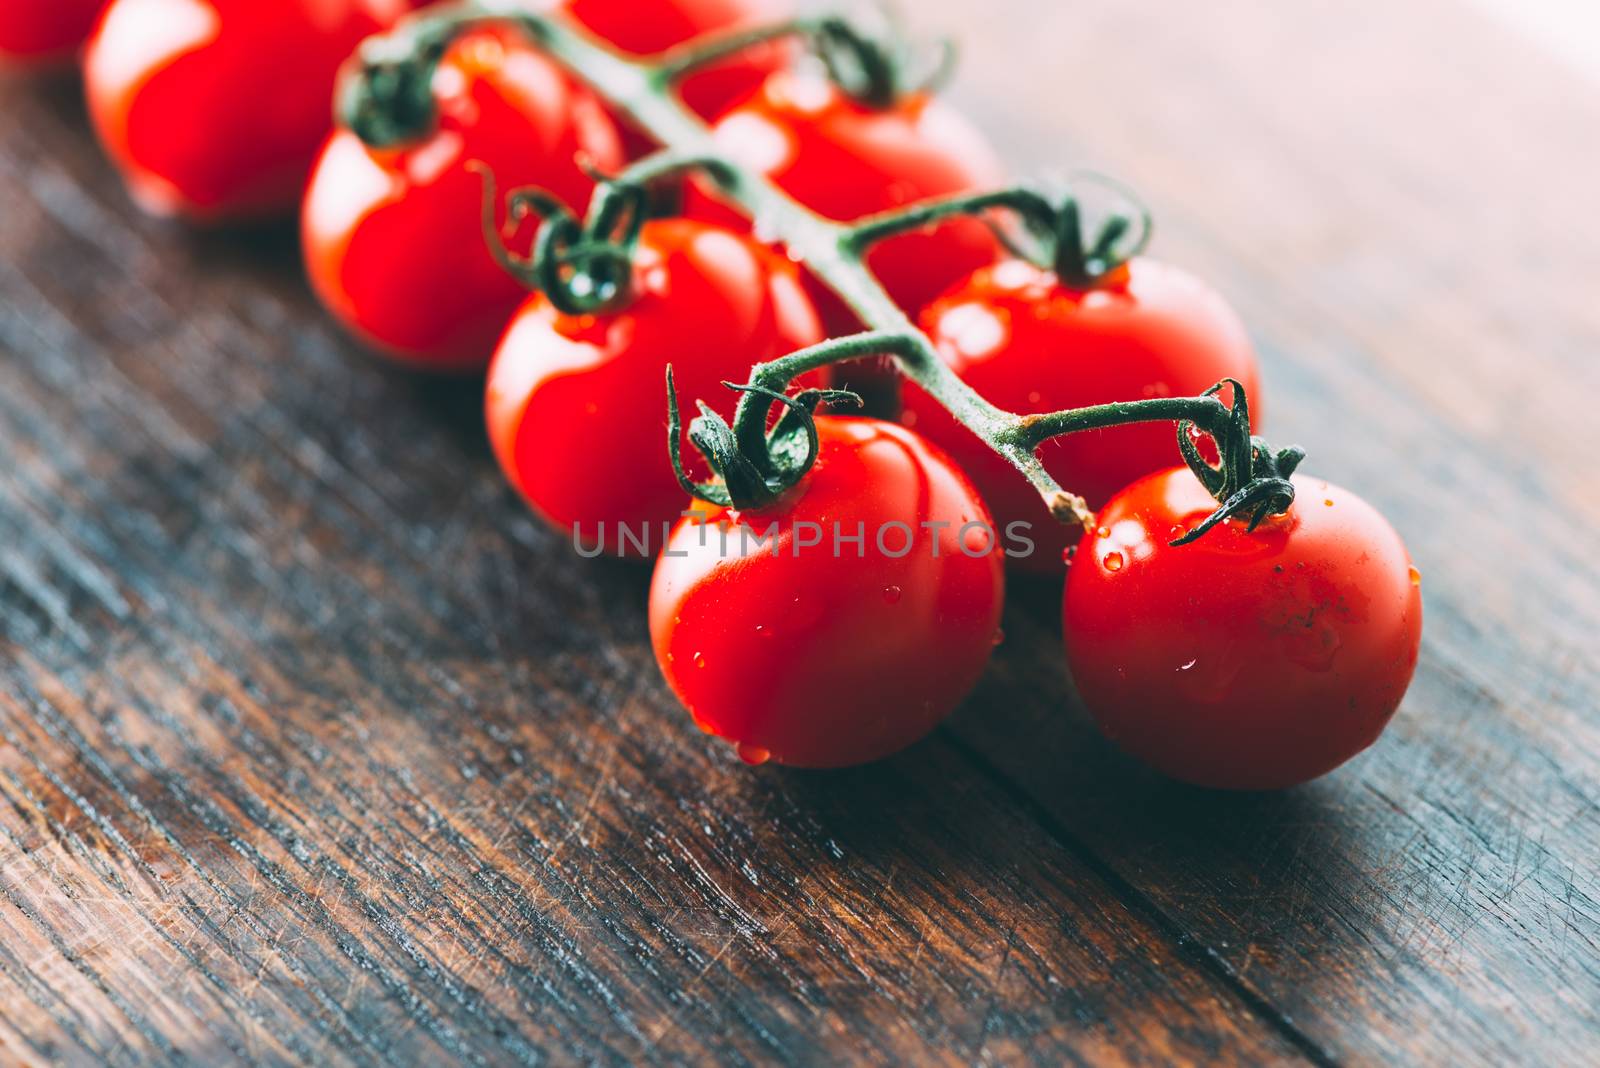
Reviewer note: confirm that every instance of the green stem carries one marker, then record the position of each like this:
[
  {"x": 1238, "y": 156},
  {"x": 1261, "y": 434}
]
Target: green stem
[
  {"x": 825, "y": 247},
  {"x": 670, "y": 162},
  {"x": 1208, "y": 413},
  {"x": 674, "y": 65},
  {"x": 1026, "y": 202},
  {"x": 750, "y": 418},
  {"x": 832, "y": 252}
]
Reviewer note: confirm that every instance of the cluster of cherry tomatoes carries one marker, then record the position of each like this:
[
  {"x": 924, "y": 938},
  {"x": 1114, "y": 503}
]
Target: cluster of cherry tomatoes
[{"x": 1256, "y": 657}]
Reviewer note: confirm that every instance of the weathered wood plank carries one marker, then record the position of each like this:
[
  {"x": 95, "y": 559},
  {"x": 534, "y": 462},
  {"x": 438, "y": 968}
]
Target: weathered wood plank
[
  {"x": 1399, "y": 199},
  {"x": 314, "y": 748}
]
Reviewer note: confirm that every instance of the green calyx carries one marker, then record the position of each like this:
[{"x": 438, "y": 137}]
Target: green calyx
[
  {"x": 1252, "y": 482},
  {"x": 745, "y": 476},
  {"x": 868, "y": 54},
  {"x": 878, "y": 65},
  {"x": 583, "y": 267},
  {"x": 385, "y": 94},
  {"x": 1059, "y": 241}
]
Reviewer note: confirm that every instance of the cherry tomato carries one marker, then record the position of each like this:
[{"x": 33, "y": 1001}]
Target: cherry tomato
[
  {"x": 44, "y": 31},
  {"x": 392, "y": 236},
  {"x": 845, "y": 160},
  {"x": 826, "y": 655},
  {"x": 577, "y": 405},
  {"x": 214, "y": 109},
  {"x": 1030, "y": 344},
  {"x": 1245, "y": 661},
  {"x": 646, "y": 27}
]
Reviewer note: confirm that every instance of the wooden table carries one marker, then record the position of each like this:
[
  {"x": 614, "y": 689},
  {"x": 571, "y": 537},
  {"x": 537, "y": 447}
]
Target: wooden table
[{"x": 315, "y": 747}]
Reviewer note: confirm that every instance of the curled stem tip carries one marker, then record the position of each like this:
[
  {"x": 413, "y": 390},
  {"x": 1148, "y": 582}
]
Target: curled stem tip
[
  {"x": 874, "y": 59},
  {"x": 582, "y": 267},
  {"x": 751, "y": 474}
]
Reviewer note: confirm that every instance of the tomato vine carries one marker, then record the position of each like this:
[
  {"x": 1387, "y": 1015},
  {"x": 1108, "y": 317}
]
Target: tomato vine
[{"x": 581, "y": 266}]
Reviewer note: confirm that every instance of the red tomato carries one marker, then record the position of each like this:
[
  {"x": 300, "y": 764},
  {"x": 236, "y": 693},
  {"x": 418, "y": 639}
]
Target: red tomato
[
  {"x": 44, "y": 31},
  {"x": 214, "y": 109},
  {"x": 646, "y": 27},
  {"x": 1029, "y": 344},
  {"x": 577, "y": 405},
  {"x": 824, "y": 655},
  {"x": 845, "y": 160},
  {"x": 392, "y": 236},
  {"x": 1245, "y": 661}
]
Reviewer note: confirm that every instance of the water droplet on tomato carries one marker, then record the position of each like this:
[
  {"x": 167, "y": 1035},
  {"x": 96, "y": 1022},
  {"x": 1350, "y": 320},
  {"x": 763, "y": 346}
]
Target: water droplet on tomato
[
  {"x": 1102, "y": 532},
  {"x": 1416, "y": 577},
  {"x": 977, "y": 540},
  {"x": 1114, "y": 561},
  {"x": 753, "y": 755},
  {"x": 891, "y": 594},
  {"x": 699, "y": 660},
  {"x": 1189, "y": 665},
  {"x": 999, "y": 637},
  {"x": 1328, "y": 502}
]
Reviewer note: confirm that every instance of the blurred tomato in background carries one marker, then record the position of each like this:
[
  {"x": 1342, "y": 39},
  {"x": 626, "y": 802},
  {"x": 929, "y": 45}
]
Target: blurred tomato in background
[
  {"x": 44, "y": 31},
  {"x": 214, "y": 109}
]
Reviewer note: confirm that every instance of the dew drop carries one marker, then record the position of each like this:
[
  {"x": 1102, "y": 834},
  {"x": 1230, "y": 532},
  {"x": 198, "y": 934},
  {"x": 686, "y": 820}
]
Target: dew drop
[
  {"x": 753, "y": 755},
  {"x": 1102, "y": 532},
  {"x": 999, "y": 637},
  {"x": 1328, "y": 502},
  {"x": 1416, "y": 577},
  {"x": 1114, "y": 561},
  {"x": 699, "y": 660},
  {"x": 892, "y": 594}
]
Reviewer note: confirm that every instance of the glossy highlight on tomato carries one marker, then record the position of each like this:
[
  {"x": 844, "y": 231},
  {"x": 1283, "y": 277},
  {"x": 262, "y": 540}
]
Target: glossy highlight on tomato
[
  {"x": 1242, "y": 661},
  {"x": 577, "y": 405},
  {"x": 38, "y": 32},
  {"x": 646, "y": 27},
  {"x": 1030, "y": 344},
  {"x": 845, "y": 160},
  {"x": 821, "y": 656},
  {"x": 392, "y": 236},
  {"x": 213, "y": 110}
]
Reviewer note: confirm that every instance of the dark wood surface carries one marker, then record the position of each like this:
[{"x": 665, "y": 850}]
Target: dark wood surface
[{"x": 315, "y": 748}]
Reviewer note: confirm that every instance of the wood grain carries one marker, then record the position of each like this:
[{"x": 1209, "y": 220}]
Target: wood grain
[
  {"x": 314, "y": 748},
  {"x": 1398, "y": 198}
]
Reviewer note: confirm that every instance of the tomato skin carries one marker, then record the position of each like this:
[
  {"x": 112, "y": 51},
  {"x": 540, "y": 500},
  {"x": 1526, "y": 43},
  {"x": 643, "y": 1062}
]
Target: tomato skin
[
  {"x": 577, "y": 405},
  {"x": 213, "y": 110},
  {"x": 1242, "y": 661},
  {"x": 845, "y": 161},
  {"x": 826, "y": 660},
  {"x": 646, "y": 27},
  {"x": 1030, "y": 345},
  {"x": 392, "y": 237},
  {"x": 41, "y": 32}
]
